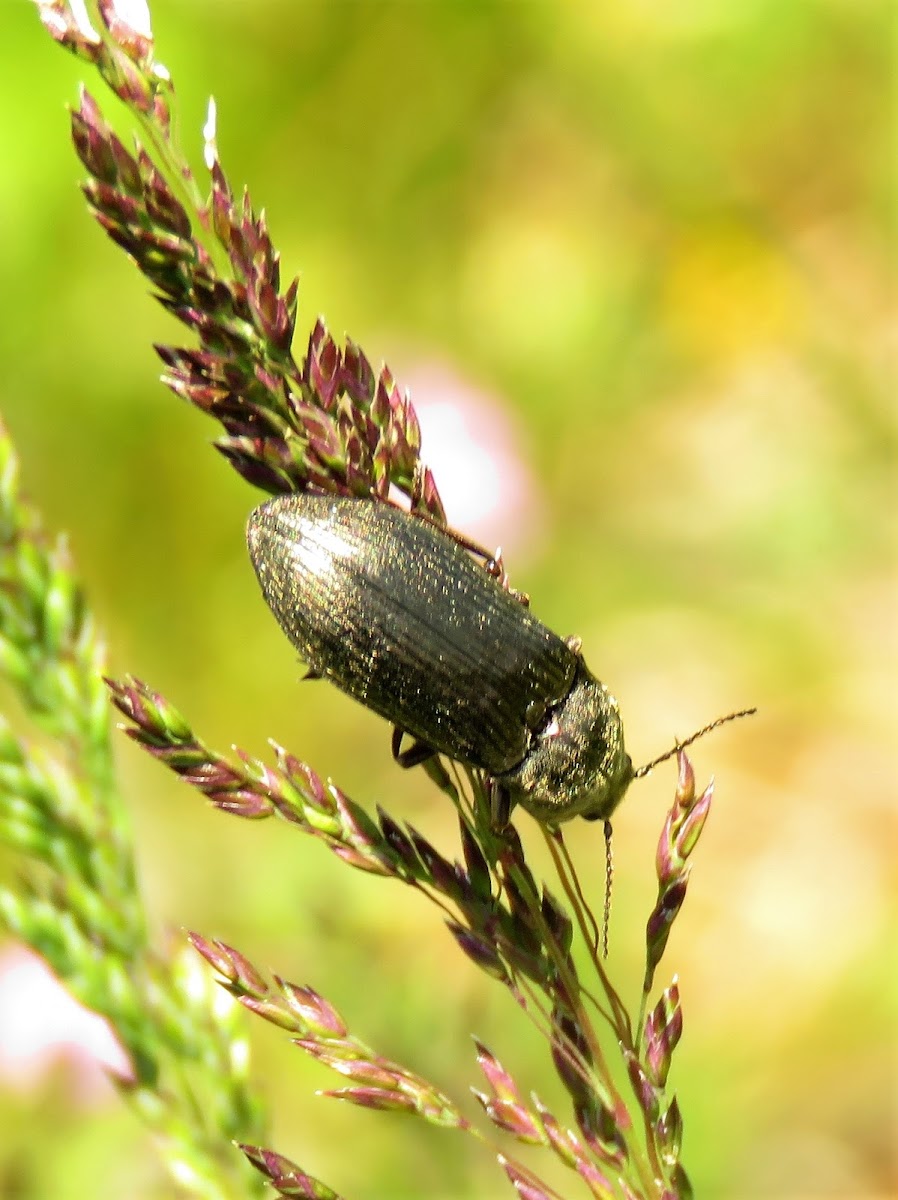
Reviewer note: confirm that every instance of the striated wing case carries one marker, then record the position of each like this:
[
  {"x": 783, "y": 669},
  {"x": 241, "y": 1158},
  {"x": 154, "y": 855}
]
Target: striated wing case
[{"x": 399, "y": 616}]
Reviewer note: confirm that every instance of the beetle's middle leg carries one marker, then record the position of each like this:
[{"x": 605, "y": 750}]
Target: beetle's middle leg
[
  {"x": 501, "y": 804},
  {"x": 417, "y": 753}
]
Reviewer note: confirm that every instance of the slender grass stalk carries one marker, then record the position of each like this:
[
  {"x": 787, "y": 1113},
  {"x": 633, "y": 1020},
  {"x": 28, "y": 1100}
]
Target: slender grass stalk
[{"x": 77, "y": 902}]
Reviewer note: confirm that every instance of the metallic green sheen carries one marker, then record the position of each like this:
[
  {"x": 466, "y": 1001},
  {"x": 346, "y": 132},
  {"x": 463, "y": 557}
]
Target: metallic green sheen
[{"x": 399, "y": 616}]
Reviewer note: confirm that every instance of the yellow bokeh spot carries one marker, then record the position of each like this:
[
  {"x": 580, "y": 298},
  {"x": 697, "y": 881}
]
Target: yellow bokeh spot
[
  {"x": 728, "y": 292},
  {"x": 531, "y": 283}
]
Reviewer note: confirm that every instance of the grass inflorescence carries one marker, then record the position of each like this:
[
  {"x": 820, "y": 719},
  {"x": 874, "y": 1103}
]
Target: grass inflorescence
[{"x": 330, "y": 422}]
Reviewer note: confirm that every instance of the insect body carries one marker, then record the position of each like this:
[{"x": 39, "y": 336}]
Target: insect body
[{"x": 398, "y": 614}]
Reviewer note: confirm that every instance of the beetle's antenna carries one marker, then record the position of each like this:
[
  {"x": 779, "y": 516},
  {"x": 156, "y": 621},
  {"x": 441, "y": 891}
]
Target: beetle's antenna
[
  {"x": 734, "y": 716},
  {"x": 609, "y": 879}
]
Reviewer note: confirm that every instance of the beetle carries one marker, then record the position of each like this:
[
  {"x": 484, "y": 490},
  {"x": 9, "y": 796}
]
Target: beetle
[{"x": 397, "y": 613}]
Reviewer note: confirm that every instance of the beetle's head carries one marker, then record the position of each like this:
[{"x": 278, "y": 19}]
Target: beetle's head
[{"x": 577, "y": 765}]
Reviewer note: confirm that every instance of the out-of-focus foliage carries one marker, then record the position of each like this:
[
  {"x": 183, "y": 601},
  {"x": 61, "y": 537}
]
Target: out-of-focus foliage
[{"x": 659, "y": 234}]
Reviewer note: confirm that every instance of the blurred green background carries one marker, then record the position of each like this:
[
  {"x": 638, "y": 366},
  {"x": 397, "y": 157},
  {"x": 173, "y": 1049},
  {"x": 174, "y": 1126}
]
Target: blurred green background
[{"x": 650, "y": 244}]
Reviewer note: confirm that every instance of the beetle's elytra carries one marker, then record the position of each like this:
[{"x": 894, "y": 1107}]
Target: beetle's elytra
[{"x": 398, "y": 614}]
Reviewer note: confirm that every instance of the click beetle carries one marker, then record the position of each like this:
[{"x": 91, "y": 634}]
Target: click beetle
[{"x": 396, "y": 612}]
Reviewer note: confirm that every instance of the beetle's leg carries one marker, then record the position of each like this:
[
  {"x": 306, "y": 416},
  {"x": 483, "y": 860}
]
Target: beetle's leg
[
  {"x": 311, "y": 674},
  {"x": 492, "y": 563},
  {"x": 417, "y": 753},
  {"x": 495, "y": 566},
  {"x": 501, "y": 804}
]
